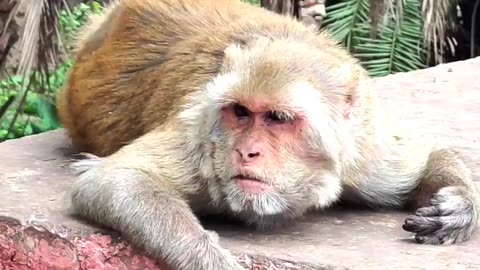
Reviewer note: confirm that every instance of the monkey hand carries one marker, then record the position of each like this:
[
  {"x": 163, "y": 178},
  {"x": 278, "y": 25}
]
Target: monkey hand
[
  {"x": 224, "y": 259},
  {"x": 312, "y": 11},
  {"x": 452, "y": 217}
]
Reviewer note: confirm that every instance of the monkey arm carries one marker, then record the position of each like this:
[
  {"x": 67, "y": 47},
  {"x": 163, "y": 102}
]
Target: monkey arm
[
  {"x": 433, "y": 181},
  {"x": 446, "y": 199},
  {"x": 141, "y": 195}
]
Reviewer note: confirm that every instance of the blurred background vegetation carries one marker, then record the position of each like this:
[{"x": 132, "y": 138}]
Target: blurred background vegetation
[{"x": 387, "y": 36}]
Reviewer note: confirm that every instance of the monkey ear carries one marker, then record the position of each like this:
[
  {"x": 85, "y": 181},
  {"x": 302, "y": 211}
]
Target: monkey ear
[
  {"x": 357, "y": 81},
  {"x": 347, "y": 109}
]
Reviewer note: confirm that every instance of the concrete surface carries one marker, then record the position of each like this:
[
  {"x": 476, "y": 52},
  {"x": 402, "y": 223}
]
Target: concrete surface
[{"x": 34, "y": 186}]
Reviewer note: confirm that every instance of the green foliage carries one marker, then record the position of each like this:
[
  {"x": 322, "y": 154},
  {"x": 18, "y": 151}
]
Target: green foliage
[
  {"x": 253, "y": 2},
  {"x": 385, "y": 48},
  {"x": 38, "y": 114},
  {"x": 343, "y": 20},
  {"x": 70, "y": 22},
  {"x": 38, "y": 111}
]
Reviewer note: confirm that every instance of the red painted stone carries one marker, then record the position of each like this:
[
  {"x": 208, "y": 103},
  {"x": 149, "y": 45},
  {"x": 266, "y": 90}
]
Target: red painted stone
[{"x": 26, "y": 247}]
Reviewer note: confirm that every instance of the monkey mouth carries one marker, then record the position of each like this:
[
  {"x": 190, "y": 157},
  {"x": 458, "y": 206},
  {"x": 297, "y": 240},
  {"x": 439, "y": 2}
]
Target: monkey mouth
[
  {"x": 250, "y": 183},
  {"x": 246, "y": 177}
]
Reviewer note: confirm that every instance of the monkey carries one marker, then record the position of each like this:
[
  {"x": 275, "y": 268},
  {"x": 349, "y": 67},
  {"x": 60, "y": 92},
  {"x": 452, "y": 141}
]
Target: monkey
[
  {"x": 310, "y": 12},
  {"x": 184, "y": 108}
]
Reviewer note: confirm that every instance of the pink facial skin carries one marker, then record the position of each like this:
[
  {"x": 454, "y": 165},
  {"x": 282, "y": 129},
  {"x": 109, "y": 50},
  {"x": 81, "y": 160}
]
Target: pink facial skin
[{"x": 259, "y": 132}]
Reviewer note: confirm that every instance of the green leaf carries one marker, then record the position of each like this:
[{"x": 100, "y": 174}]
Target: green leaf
[
  {"x": 343, "y": 18},
  {"x": 397, "y": 46},
  {"x": 3, "y": 133},
  {"x": 17, "y": 80}
]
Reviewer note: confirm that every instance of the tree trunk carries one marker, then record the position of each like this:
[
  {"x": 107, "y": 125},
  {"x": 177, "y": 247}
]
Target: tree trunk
[
  {"x": 8, "y": 35},
  {"x": 281, "y": 6}
]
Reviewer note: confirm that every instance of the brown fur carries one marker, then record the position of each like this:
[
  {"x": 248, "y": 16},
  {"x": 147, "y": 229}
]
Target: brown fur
[
  {"x": 142, "y": 99},
  {"x": 158, "y": 77}
]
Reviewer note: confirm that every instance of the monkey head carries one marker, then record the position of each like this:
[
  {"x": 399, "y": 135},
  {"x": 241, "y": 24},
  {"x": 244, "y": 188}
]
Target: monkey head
[{"x": 277, "y": 113}]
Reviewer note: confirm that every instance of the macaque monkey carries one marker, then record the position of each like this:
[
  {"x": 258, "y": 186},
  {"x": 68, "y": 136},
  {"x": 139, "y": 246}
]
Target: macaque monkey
[
  {"x": 310, "y": 12},
  {"x": 193, "y": 107}
]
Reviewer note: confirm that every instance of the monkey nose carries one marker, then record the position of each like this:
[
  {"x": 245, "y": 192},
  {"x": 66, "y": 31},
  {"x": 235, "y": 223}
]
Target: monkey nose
[{"x": 247, "y": 155}]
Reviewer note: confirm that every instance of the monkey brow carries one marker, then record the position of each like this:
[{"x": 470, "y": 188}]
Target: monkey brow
[
  {"x": 285, "y": 108},
  {"x": 286, "y": 114},
  {"x": 269, "y": 105}
]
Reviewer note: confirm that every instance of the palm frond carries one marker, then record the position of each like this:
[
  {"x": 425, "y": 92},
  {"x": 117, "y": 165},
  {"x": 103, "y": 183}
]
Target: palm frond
[
  {"x": 344, "y": 17},
  {"x": 393, "y": 11},
  {"x": 8, "y": 33},
  {"x": 395, "y": 46},
  {"x": 398, "y": 47}
]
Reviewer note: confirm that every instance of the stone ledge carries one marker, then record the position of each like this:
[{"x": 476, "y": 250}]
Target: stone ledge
[{"x": 37, "y": 224}]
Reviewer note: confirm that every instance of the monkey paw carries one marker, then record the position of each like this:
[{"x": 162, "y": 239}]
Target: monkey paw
[
  {"x": 451, "y": 218},
  {"x": 312, "y": 11}
]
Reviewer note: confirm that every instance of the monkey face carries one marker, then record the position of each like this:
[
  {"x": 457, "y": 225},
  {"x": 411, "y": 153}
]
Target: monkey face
[
  {"x": 259, "y": 136},
  {"x": 279, "y": 149},
  {"x": 269, "y": 159},
  {"x": 270, "y": 169}
]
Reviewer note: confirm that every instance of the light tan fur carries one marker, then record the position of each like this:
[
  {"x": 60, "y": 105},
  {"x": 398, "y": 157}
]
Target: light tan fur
[
  {"x": 144, "y": 99},
  {"x": 88, "y": 38}
]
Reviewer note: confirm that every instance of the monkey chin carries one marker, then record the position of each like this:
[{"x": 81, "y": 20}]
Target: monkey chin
[
  {"x": 264, "y": 208},
  {"x": 253, "y": 197},
  {"x": 268, "y": 207}
]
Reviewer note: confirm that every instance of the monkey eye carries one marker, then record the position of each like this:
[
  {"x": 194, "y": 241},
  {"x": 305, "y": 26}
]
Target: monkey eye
[
  {"x": 240, "y": 111},
  {"x": 279, "y": 117}
]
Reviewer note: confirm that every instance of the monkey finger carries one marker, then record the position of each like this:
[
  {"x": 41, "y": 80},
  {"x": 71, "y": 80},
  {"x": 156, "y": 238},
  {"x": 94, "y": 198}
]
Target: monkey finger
[
  {"x": 423, "y": 225},
  {"x": 426, "y": 230},
  {"x": 435, "y": 239},
  {"x": 442, "y": 237},
  {"x": 427, "y": 211}
]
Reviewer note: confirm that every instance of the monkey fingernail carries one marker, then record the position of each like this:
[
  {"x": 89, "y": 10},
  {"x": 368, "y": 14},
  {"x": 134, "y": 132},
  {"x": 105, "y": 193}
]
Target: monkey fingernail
[
  {"x": 427, "y": 211},
  {"x": 409, "y": 225},
  {"x": 422, "y": 226}
]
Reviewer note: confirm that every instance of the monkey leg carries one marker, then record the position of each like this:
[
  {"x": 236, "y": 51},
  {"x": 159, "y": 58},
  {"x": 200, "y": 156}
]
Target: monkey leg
[
  {"x": 446, "y": 200},
  {"x": 123, "y": 193}
]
